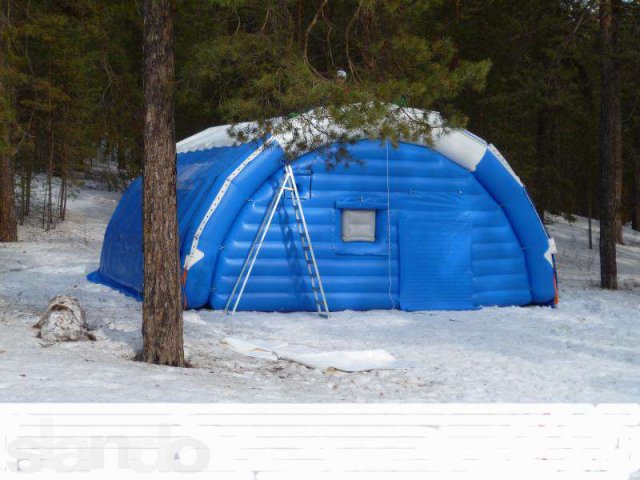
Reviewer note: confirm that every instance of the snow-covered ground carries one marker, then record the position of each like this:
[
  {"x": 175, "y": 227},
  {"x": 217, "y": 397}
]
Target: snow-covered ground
[{"x": 586, "y": 350}]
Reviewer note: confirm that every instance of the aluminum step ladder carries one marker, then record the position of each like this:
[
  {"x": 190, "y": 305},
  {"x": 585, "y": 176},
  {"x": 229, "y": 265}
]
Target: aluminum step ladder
[{"x": 288, "y": 185}]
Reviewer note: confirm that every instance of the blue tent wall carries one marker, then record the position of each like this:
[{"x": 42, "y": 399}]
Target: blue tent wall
[
  {"x": 121, "y": 257},
  {"x": 356, "y": 276},
  {"x": 508, "y": 241}
]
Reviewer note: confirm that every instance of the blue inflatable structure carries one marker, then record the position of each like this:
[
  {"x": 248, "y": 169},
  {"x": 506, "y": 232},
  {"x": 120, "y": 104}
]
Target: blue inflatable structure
[{"x": 440, "y": 225}]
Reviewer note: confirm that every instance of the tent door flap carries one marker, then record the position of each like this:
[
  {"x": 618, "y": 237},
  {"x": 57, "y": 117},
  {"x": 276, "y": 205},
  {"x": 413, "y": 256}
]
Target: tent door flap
[{"x": 435, "y": 262}]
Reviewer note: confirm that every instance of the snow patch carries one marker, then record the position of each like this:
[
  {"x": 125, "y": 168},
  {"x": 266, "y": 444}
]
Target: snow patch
[{"x": 325, "y": 361}]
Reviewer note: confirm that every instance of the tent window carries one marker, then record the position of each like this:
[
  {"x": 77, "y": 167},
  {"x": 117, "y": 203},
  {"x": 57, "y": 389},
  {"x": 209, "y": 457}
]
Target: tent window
[{"x": 358, "y": 225}]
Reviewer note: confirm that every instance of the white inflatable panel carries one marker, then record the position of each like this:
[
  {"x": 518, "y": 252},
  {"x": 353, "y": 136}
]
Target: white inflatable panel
[
  {"x": 209, "y": 138},
  {"x": 460, "y": 147}
]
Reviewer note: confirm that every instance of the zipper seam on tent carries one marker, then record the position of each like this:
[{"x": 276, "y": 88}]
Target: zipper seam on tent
[{"x": 194, "y": 254}]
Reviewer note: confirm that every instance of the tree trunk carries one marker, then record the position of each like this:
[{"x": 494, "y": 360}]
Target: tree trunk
[
  {"x": 635, "y": 220},
  {"x": 8, "y": 221},
  {"x": 162, "y": 309},
  {"x": 609, "y": 145},
  {"x": 29, "y": 181},
  {"x": 618, "y": 190},
  {"x": 545, "y": 139},
  {"x": 48, "y": 208},
  {"x": 62, "y": 193},
  {"x": 122, "y": 161},
  {"x": 589, "y": 227}
]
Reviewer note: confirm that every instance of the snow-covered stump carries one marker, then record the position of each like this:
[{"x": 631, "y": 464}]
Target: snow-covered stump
[{"x": 64, "y": 321}]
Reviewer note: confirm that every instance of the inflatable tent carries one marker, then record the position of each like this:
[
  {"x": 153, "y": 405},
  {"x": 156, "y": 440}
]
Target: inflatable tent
[{"x": 444, "y": 224}]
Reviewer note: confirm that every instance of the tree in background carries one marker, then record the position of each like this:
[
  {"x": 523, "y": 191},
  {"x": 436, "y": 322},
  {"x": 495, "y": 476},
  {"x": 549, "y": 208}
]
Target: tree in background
[
  {"x": 629, "y": 63},
  {"x": 541, "y": 99},
  {"x": 162, "y": 309},
  {"x": 121, "y": 115},
  {"x": 610, "y": 146},
  {"x": 8, "y": 224},
  {"x": 54, "y": 80},
  {"x": 265, "y": 62}
]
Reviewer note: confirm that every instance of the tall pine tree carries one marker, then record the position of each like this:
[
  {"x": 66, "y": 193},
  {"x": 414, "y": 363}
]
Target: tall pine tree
[
  {"x": 8, "y": 223},
  {"x": 610, "y": 147},
  {"x": 162, "y": 309}
]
